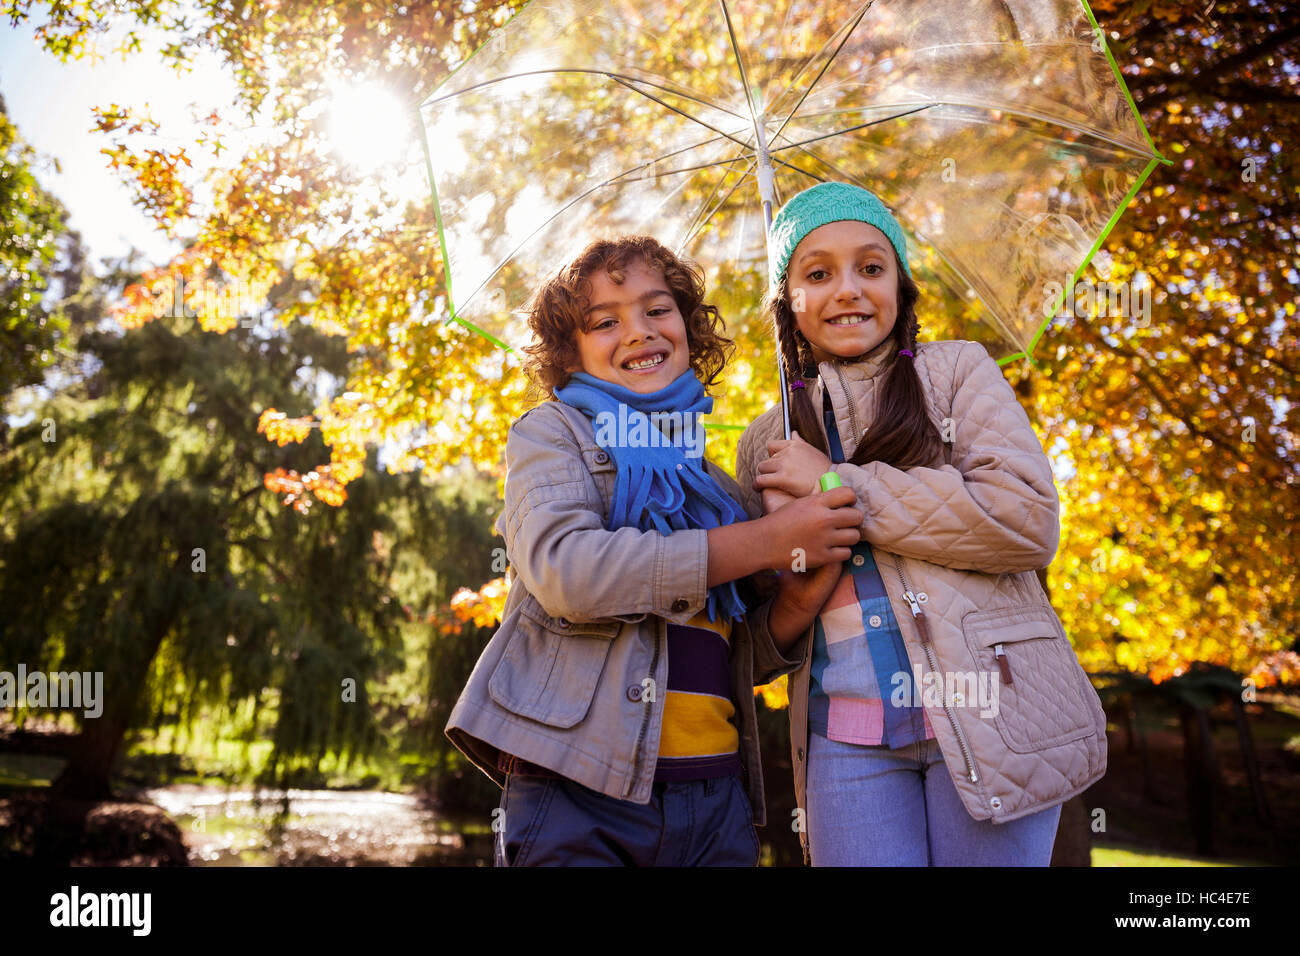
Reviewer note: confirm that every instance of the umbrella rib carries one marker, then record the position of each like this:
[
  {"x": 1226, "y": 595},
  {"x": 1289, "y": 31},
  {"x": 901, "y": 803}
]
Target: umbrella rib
[
  {"x": 687, "y": 149},
  {"x": 691, "y": 169},
  {"x": 667, "y": 105},
  {"x": 826, "y": 66},
  {"x": 682, "y": 169},
  {"x": 813, "y": 176},
  {"x": 740, "y": 63},
  {"x": 701, "y": 220},
  {"x": 852, "y": 129},
  {"x": 605, "y": 73},
  {"x": 1044, "y": 118},
  {"x": 717, "y": 162}
]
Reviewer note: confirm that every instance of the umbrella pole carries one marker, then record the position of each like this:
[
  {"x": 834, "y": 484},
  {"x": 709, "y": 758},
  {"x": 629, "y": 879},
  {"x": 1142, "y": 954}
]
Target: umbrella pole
[{"x": 767, "y": 195}]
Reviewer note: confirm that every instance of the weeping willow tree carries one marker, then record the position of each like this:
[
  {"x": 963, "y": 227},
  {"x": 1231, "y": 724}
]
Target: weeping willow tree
[{"x": 139, "y": 539}]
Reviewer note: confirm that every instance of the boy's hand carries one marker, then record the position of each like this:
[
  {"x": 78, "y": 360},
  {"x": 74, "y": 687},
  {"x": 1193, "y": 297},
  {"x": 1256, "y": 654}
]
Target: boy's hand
[
  {"x": 816, "y": 530},
  {"x": 807, "y": 592},
  {"x": 794, "y": 467},
  {"x": 799, "y": 599}
]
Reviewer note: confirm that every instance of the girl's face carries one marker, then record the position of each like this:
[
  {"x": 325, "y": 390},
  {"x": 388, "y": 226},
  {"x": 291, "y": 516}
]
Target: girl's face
[
  {"x": 843, "y": 286},
  {"x": 635, "y": 335}
]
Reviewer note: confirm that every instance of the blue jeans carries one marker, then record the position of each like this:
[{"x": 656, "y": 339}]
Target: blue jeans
[
  {"x": 872, "y": 806},
  {"x": 556, "y": 822}
]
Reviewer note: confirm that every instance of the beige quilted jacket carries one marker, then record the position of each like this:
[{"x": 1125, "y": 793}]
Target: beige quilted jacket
[{"x": 957, "y": 544}]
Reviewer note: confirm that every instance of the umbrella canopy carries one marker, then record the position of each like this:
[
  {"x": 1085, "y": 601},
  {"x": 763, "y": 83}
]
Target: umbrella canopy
[{"x": 998, "y": 131}]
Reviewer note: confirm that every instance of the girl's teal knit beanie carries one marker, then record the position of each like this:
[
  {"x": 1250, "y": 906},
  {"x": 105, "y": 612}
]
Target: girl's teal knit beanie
[{"x": 823, "y": 203}]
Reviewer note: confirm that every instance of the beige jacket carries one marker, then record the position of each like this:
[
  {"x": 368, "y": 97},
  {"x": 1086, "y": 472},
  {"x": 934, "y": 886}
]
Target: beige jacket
[
  {"x": 563, "y": 682},
  {"x": 964, "y": 537}
]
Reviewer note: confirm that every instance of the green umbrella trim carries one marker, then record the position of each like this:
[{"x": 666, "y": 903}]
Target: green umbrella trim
[
  {"x": 1119, "y": 78},
  {"x": 1114, "y": 218},
  {"x": 1119, "y": 210}
]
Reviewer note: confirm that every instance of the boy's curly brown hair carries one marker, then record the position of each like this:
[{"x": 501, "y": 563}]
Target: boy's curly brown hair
[{"x": 557, "y": 310}]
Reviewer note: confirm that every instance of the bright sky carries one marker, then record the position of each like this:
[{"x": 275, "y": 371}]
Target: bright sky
[{"x": 50, "y": 103}]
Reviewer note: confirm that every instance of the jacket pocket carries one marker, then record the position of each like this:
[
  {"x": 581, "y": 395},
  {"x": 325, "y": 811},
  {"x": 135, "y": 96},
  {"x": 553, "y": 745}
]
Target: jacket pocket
[
  {"x": 1044, "y": 704},
  {"x": 551, "y": 666}
]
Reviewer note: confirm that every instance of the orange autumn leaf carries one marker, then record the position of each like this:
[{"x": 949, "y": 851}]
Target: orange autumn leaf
[
  {"x": 281, "y": 429},
  {"x": 482, "y": 608},
  {"x": 776, "y": 695}
]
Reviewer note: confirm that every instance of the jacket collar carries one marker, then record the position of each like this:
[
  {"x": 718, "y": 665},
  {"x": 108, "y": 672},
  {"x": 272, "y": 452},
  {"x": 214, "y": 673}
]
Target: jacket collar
[
  {"x": 859, "y": 376},
  {"x": 863, "y": 367}
]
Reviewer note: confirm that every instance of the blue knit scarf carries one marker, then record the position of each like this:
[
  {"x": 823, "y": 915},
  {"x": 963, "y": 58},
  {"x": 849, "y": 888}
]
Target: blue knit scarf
[{"x": 657, "y": 487}]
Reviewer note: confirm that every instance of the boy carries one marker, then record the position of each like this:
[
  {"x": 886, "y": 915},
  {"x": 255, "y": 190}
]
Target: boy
[{"x": 615, "y": 703}]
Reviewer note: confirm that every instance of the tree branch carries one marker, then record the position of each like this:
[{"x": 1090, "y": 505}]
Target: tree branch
[
  {"x": 1171, "y": 407},
  {"x": 1177, "y": 83}
]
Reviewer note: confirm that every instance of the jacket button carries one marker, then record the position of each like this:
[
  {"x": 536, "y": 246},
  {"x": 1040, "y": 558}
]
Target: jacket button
[
  {"x": 874, "y": 621},
  {"x": 602, "y": 457},
  {"x": 996, "y": 803},
  {"x": 922, "y": 597},
  {"x": 634, "y": 692},
  {"x": 959, "y": 700},
  {"x": 859, "y": 560},
  {"x": 800, "y": 753},
  {"x": 563, "y": 622},
  {"x": 680, "y": 605}
]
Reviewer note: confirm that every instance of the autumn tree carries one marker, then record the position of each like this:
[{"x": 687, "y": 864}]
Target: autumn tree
[
  {"x": 1179, "y": 428},
  {"x": 34, "y": 222}
]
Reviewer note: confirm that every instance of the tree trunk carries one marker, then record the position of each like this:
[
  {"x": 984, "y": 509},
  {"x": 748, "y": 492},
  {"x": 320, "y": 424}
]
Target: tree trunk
[
  {"x": 1252, "y": 763},
  {"x": 86, "y": 777},
  {"x": 1125, "y": 717},
  {"x": 1148, "y": 787},
  {"x": 1198, "y": 758},
  {"x": 93, "y": 753},
  {"x": 1074, "y": 834}
]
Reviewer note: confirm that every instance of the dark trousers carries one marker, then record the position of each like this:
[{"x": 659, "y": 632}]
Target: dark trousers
[{"x": 552, "y": 821}]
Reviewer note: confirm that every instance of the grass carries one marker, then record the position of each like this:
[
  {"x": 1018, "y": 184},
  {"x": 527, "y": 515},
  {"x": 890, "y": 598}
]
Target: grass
[
  {"x": 207, "y": 755},
  {"x": 1118, "y": 854},
  {"x": 28, "y": 770}
]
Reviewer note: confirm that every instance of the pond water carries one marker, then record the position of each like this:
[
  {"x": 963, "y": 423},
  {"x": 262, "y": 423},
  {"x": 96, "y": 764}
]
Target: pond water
[{"x": 322, "y": 828}]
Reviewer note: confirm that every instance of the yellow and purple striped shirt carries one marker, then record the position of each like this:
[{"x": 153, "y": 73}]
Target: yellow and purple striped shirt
[{"x": 698, "y": 738}]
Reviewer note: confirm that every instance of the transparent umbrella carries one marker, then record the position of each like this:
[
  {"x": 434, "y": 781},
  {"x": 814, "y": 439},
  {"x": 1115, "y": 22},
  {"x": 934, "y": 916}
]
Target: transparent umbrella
[{"x": 999, "y": 132}]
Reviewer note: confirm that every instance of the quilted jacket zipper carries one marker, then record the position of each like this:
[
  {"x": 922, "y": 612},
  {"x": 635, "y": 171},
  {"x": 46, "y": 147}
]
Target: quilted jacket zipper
[
  {"x": 924, "y": 628},
  {"x": 848, "y": 400},
  {"x": 910, "y": 597}
]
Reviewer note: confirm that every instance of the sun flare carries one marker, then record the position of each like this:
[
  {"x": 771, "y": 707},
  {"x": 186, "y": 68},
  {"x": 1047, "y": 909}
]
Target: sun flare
[{"x": 369, "y": 126}]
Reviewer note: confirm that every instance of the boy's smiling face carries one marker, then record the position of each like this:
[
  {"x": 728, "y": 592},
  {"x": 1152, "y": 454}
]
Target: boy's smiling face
[{"x": 634, "y": 335}]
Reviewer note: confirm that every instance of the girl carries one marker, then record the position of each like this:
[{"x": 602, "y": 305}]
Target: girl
[
  {"x": 939, "y": 715},
  {"x": 615, "y": 704}
]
